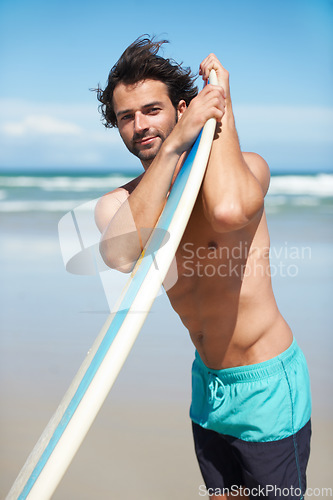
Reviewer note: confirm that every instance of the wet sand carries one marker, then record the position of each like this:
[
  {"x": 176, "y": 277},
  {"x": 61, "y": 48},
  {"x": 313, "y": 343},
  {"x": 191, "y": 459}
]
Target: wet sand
[{"x": 135, "y": 451}]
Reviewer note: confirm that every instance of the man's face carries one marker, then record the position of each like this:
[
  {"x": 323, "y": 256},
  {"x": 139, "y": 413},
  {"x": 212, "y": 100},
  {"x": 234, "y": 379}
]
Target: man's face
[{"x": 145, "y": 117}]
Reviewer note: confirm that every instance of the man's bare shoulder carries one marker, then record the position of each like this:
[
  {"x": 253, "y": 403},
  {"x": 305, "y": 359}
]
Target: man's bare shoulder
[
  {"x": 259, "y": 168},
  {"x": 109, "y": 203}
]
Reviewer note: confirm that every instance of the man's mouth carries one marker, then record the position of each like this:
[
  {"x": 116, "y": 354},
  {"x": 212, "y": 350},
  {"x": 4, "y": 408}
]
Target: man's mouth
[{"x": 145, "y": 140}]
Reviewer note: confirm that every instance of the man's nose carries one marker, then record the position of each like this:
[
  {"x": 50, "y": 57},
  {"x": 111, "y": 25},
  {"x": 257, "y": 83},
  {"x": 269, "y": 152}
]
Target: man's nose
[{"x": 140, "y": 123}]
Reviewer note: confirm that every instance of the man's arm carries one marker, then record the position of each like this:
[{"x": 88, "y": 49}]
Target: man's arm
[
  {"x": 145, "y": 203},
  {"x": 235, "y": 183}
]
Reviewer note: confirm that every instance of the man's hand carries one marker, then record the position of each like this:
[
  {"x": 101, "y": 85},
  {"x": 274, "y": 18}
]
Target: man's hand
[
  {"x": 212, "y": 102},
  {"x": 212, "y": 62},
  {"x": 209, "y": 103}
]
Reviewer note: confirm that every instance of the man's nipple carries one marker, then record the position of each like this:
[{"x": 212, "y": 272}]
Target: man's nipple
[{"x": 212, "y": 245}]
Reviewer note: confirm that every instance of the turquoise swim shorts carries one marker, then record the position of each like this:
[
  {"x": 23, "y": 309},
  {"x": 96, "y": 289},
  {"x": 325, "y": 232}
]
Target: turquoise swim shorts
[{"x": 263, "y": 402}]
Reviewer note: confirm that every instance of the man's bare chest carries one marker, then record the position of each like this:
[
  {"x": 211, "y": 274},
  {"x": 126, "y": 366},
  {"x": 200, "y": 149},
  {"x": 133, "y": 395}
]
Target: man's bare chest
[{"x": 201, "y": 244}]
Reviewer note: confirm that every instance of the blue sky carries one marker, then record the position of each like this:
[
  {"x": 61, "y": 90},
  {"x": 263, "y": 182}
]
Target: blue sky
[{"x": 278, "y": 53}]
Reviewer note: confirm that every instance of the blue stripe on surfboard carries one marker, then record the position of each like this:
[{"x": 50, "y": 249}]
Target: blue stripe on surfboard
[{"x": 120, "y": 315}]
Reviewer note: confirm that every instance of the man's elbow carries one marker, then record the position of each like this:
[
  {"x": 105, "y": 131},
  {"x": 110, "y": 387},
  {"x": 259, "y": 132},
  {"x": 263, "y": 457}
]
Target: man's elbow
[
  {"x": 231, "y": 216},
  {"x": 114, "y": 260}
]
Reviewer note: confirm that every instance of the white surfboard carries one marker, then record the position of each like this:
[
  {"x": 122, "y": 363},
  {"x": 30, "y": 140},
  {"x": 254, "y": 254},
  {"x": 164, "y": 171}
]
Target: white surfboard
[{"x": 67, "y": 428}]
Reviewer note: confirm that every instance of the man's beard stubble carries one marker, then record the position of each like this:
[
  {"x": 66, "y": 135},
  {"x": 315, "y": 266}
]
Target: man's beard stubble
[{"x": 150, "y": 153}]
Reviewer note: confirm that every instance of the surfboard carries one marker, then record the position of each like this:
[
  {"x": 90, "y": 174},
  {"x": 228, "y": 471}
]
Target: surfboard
[{"x": 66, "y": 430}]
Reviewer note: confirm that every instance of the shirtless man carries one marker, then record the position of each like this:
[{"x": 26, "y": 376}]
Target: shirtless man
[{"x": 250, "y": 388}]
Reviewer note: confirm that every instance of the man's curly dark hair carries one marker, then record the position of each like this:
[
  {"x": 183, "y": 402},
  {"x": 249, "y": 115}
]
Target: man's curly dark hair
[{"x": 140, "y": 62}]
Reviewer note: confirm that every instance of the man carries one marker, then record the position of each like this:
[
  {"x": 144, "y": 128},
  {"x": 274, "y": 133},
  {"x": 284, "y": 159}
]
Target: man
[{"x": 250, "y": 387}]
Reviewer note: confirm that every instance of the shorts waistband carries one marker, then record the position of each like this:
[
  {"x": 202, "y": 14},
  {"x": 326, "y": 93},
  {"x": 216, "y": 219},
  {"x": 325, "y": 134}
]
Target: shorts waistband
[{"x": 256, "y": 371}]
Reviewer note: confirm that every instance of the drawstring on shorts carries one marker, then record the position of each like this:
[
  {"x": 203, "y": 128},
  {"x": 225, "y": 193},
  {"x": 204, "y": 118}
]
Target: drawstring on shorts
[{"x": 216, "y": 388}]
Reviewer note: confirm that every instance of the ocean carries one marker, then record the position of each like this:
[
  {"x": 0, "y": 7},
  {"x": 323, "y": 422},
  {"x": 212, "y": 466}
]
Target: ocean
[{"x": 59, "y": 192}]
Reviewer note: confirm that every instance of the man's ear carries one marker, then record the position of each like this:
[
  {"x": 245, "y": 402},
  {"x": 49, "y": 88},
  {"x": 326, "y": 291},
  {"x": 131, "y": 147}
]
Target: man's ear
[{"x": 181, "y": 108}]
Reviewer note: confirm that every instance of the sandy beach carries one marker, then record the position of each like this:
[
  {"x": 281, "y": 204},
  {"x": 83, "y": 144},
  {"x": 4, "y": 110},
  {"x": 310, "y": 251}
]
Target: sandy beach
[
  {"x": 130, "y": 454},
  {"x": 140, "y": 445}
]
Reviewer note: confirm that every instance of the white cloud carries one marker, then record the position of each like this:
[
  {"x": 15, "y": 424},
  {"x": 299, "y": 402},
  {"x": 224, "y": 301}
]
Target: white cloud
[
  {"x": 286, "y": 123},
  {"x": 288, "y": 137},
  {"x": 48, "y": 134},
  {"x": 40, "y": 125}
]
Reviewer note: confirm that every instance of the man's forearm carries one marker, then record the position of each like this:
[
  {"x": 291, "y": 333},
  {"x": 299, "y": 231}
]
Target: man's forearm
[
  {"x": 232, "y": 195},
  {"x": 136, "y": 217},
  {"x": 148, "y": 198}
]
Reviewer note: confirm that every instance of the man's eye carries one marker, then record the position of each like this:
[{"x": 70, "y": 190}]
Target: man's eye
[
  {"x": 154, "y": 111},
  {"x": 126, "y": 117}
]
